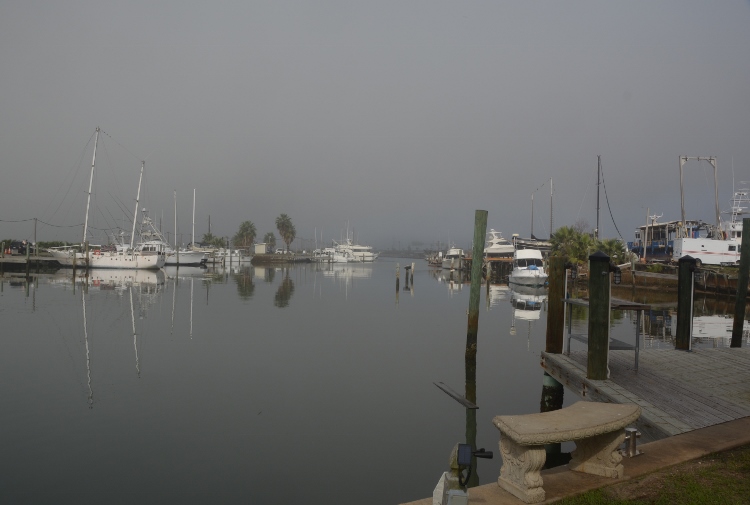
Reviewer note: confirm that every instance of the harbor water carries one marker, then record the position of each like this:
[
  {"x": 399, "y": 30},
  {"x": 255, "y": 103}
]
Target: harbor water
[{"x": 307, "y": 384}]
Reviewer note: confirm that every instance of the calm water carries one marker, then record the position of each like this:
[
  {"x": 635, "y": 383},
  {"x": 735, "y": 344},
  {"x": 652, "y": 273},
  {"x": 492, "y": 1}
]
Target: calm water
[{"x": 301, "y": 385}]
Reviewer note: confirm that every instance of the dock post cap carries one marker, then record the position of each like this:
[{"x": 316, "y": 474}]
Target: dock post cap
[{"x": 599, "y": 256}]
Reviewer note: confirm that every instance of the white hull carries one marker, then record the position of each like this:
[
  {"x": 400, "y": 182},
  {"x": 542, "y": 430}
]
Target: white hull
[
  {"x": 186, "y": 258},
  {"x": 528, "y": 269},
  {"x": 708, "y": 251},
  {"x": 525, "y": 277},
  {"x": 132, "y": 260}
]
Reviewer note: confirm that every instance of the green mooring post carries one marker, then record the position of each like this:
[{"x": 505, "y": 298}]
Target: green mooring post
[
  {"x": 598, "y": 316},
  {"x": 685, "y": 272},
  {"x": 739, "y": 307},
  {"x": 480, "y": 229},
  {"x": 556, "y": 305}
]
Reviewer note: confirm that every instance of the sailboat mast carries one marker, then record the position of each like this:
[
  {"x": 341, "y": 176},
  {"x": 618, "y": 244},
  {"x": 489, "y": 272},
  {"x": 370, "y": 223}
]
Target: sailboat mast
[
  {"x": 551, "y": 229},
  {"x": 192, "y": 238},
  {"x": 598, "y": 183},
  {"x": 176, "y": 244},
  {"x": 91, "y": 184},
  {"x": 532, "y": 215},
  {"x": 137, "y": 198}
]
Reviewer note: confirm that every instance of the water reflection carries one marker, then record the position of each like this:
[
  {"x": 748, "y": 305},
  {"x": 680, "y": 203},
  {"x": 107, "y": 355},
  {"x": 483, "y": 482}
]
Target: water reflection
[
  {"x": 453, "y": 280},
  {"x": 285, "y": 291}
]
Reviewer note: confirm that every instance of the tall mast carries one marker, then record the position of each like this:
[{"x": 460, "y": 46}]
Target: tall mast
[
  {"x": 532, "y": 215},
  {"x": 176, "y": 244},
  {"x": 598, "y": 183},
  {"x": 192, "y": 239},
  {"x": 551, "y": 229},
  {"x": 91, "y": 183},
  {"x": 137, "y": 198}
]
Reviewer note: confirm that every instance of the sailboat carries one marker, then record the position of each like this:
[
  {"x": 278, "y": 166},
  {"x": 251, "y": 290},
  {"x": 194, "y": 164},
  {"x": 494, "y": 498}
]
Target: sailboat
[{"x": 150, "y": 255}]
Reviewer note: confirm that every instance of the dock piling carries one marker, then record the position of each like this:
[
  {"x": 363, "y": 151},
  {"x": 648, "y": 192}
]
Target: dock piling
[
  {"x": 685, "y": 272},
  {"x": 556, "y": 307},
  {"x": 740, "y": 300},
  {"x": 599, "y": 297}
]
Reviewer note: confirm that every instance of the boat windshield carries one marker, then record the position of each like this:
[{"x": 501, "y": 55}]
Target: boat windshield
[{"x": 527, "y": 262}]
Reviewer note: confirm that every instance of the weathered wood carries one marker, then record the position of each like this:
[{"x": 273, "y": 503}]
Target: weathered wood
[
  {"x": 739, "y": 307},
  {"x": 678, "y": 391},
  {"x": 598, "y": 316},
  {"x": 686, "y": 267},
  {"x": 556, "y": 305}
]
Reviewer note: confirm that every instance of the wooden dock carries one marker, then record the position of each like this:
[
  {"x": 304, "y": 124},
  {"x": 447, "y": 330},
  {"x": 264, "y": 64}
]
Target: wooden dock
[{"x": 679, "y": 391}]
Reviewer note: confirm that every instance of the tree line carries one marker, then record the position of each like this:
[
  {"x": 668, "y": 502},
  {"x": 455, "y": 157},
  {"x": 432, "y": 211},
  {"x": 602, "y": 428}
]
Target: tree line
[{"x": 247, "y": 232}]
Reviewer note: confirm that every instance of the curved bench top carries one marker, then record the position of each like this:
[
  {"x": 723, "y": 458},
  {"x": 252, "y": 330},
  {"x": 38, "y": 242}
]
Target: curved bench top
[{"x": 580, "y": 420}]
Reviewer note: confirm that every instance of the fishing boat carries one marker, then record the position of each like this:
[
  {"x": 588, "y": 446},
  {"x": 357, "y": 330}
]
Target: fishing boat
[
  {"x": 151, "y": 255},
  {"x": 151, "y": 235},
  {"x": 453, "y": 258},
  {"x": 528, "y": 268}
]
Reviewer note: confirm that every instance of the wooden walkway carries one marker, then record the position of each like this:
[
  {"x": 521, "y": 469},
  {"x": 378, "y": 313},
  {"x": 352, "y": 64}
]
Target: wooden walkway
[{"x": 678, "y": 391}]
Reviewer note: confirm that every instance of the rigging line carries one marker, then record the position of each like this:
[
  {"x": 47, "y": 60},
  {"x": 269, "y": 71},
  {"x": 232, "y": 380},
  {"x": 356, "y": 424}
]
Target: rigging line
[
  {"x": 15, "y": 221},
  {"x": 610, "y": 208},
  {"x": 584, "y": 199},
  {"x": 125, "y": 148},
  {"x": 61, "y": 226},
  {"x": 72, "y": 179}
]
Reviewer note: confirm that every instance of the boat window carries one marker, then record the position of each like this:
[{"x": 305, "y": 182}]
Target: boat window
[{"x": 732, "y": 248}]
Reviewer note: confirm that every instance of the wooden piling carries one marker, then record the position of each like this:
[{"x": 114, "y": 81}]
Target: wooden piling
[
  {"x": 480, "y": 229},
  {"x": 685, "y": 272},
  {"x": 556, "y": 305},
  {"x": 740, "y": 300},
  {"x": 598, "y": 345}
]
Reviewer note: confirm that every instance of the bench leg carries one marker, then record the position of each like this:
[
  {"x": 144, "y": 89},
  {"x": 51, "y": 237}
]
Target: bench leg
[
  {"x": 599, "y": 455},
  {"x": 519, "y": 474}
]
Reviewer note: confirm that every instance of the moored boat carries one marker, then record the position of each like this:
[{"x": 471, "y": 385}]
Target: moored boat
[
  {"x": 528, "y": 268},
  {"x": 454, "y": 258}
]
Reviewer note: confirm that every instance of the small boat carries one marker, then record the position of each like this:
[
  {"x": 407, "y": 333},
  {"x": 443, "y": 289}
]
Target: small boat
[
  {"x": 528, "y": 268},
  {"x": 453, "y": 259},
  {"x": 497, "y": 248}
]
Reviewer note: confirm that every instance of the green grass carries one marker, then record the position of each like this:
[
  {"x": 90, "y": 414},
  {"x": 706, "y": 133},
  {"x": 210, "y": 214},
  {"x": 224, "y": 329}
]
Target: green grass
[{"x": 722, "y": 478}]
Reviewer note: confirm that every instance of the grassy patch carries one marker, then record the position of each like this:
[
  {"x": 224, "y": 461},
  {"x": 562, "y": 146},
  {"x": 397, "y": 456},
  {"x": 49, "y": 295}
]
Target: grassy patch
[{"x": 722, "y": 478}]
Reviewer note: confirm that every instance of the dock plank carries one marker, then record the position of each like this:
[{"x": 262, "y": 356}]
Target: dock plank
[{"x": 680, "y": 391}]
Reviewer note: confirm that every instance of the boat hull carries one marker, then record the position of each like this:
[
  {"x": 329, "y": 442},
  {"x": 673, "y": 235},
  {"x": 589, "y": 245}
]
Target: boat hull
[{"x": 110, "y": 260}]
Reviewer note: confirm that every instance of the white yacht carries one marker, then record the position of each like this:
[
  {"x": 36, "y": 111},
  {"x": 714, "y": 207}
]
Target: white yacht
[
  {"x": 453, "y": 259},
  {"x": 497, "y": 247},
  {"x": 356, "y": 252},
  {"x": 528, "y": 268}
]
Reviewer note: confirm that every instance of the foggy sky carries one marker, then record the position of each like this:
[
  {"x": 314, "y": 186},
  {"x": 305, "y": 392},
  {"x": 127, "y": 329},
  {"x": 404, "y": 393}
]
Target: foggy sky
[{"x": 398, "y": 118}]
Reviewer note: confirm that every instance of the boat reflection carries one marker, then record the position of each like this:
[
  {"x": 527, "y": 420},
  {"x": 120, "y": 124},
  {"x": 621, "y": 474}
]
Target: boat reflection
[
  {"x": 497, "y": 293},
  {"x": 528, "y": 303},
  {"x": 716, "y": 331},
  {"x": 112, "y": 280}
]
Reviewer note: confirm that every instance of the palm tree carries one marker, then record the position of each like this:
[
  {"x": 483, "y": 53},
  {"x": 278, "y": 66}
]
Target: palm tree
[
  {"x": 613, "y": 248},
  {"x": 564, "y": 241},
  {"x": 286, "y": 229},
  {"x": 245, "y": 236},
  {"x": 270, "y": 239}
]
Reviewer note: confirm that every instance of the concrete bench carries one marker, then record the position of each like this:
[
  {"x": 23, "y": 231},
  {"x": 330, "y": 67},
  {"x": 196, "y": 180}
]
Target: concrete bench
[{"x": 598, "y": 429}]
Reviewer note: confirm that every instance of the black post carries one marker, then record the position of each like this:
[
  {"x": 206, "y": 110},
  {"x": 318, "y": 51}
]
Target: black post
[
  {"x": 556, "y": 307},
  {"x": 741, "y": 300},
  {"x": 598, "y": 316},
  {"x": 685, "y": 270}
]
